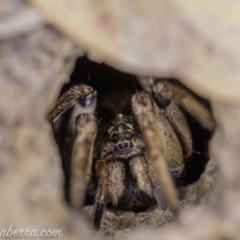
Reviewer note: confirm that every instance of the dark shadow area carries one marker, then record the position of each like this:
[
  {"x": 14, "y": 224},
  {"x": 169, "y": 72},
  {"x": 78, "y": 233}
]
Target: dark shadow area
[{"x": 114, "y": 88}]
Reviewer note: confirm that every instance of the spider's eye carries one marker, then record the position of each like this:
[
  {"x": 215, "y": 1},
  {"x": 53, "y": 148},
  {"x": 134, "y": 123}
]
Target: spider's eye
[
  {"x": 114, "y": 138},
  {"x": 128, "y": 135}
]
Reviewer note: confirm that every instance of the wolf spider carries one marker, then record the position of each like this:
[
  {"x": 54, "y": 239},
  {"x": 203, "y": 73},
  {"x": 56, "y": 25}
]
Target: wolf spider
[{"x": 133, "y": 160}]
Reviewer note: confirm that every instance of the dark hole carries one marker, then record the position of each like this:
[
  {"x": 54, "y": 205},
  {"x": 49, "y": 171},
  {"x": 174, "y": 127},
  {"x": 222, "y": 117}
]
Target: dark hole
[{"x": 115, "y": 90}]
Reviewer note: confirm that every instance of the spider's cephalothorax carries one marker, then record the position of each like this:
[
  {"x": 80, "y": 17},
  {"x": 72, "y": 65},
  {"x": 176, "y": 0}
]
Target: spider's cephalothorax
[
  {"x": 122, "y": 139},
  {"x": 138, "y": 156},
  {"x": 123, "y": 158}
]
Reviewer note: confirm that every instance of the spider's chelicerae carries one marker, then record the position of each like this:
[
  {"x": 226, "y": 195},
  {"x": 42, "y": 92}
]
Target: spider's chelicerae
[{"x": 133, "y": 160}]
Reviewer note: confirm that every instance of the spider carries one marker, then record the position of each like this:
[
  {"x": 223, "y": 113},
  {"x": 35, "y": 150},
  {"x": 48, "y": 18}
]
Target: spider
[{"x": 133, "y": 161}]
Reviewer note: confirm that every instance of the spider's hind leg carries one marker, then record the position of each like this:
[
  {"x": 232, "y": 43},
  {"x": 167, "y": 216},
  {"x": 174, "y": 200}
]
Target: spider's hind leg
[
  {"x": 176, "y": 118},
  {"x": 168, "y": 90},
  {"x": 77, "y": 142}
]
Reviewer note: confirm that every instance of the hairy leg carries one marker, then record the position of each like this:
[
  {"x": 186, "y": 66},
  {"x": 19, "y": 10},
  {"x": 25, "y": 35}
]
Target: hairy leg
[
  {"x": 102, "y": 192},
  {"x": 171, "y": 90},
  {"x": 144, "y": 112},
  {"x": 80, "y": 100},
  {"x": 81, "y": 94},
  {"x": 81, "y": 157},
  {"x": 176, "y": 118}
]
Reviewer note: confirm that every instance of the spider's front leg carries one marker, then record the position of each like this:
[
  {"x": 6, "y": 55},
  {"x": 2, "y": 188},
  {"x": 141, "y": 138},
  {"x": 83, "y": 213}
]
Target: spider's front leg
[
  {"x": 81, "y": 96},
  {"x": 81, "y": 161},
  {"x": 143, "y": 109},
  {"x": 77, "y": 145}
]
